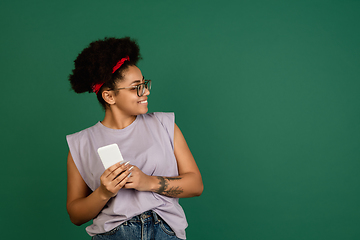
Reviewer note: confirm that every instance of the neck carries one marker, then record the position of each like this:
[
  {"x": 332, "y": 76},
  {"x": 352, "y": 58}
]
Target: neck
[{"x": 116, "y": 120}]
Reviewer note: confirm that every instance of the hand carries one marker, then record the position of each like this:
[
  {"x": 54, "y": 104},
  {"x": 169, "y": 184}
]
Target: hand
[
  {"x": 138, "y": 180},
  {"x": 113, "y": 179}
]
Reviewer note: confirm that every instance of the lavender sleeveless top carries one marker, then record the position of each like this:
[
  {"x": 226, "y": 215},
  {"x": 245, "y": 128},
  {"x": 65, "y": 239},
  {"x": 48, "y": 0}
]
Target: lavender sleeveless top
[{"x": 147, "y": 143}]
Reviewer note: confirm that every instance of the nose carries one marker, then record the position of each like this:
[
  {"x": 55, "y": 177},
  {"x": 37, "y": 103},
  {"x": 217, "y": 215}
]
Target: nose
[{"x": 146, "y": 92}]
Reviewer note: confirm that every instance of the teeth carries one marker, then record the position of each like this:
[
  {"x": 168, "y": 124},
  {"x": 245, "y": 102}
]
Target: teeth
[{"x": 144, "y": 101}]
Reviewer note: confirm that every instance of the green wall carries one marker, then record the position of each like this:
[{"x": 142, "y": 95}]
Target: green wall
[{"x": 265, "y": 92}]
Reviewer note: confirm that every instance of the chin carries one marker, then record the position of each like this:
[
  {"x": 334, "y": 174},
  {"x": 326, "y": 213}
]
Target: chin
[{"x": 143, "y": 111}]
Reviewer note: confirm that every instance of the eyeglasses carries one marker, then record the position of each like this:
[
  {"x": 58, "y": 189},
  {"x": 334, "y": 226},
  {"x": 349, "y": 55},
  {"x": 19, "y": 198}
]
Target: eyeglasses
[{"x": 140, "y": 89}]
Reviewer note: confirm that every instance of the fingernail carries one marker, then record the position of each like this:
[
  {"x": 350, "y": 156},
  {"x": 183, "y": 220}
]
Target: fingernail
[
  {"x": 131, "y": 168},
  {"x": 127, "y": 163},
  {"x": 129, "y": 174}
]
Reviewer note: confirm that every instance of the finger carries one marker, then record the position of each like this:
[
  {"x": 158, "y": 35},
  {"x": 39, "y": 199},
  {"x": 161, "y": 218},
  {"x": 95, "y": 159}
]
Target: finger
[
  {"x": 129, "y": 184},
  {"x": 130, "y": 173},
  {"x": 118, "y": 169},
  {"x": 125, "y": 167},
  {"x": 115, "y": 166},
  {"x": 110, "y": 169},
  {"x": 121, "y": 175},
  {"x": 120, "y": 184},
  {"x": 128, "y": 168},
  {"x": 123, "y": 178}
]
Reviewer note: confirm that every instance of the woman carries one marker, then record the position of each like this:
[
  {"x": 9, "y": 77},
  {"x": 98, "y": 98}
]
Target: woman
[{"x": 137, "y": 198}]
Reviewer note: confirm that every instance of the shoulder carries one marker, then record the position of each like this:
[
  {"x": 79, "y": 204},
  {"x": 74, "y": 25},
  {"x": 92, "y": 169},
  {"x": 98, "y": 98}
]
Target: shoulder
[
  {"x": 163, "y": 117},
  {"x": 83, "y": 134},
  {"x": 162, "y": 120},
  {"x": 166, "y": 119}
]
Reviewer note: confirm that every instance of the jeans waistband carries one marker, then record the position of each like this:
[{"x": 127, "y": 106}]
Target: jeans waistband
[{"x": 145, "y": 216}]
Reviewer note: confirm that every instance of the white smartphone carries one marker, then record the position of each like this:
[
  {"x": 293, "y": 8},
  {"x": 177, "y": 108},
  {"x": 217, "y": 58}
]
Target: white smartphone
[{"x": 110, "y": 155}]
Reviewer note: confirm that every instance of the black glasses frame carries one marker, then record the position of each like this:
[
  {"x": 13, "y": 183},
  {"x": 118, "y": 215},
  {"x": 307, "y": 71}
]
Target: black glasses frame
[{"x": 140, "y": 88}]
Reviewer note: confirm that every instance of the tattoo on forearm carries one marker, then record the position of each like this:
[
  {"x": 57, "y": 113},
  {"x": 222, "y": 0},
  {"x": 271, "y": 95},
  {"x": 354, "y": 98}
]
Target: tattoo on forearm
[{"x": 164, "y": 185}]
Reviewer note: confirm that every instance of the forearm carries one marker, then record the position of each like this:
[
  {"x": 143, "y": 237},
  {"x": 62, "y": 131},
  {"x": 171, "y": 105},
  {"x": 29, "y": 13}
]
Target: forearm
[
  {"x": 182, "y": 186},
  {"x": 85, "y": 209}
]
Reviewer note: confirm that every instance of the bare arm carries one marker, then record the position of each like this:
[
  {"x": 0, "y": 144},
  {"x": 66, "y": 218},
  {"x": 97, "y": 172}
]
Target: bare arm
[
  {"x": 187, "y": 184},
  {"x": 82, "y": 204}
]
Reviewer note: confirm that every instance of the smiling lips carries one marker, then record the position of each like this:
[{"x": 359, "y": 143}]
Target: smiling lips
[{"x": 142, "y": 102}]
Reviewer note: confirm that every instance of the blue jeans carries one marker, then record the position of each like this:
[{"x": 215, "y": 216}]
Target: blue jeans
[{"x": 147, "y": 226}]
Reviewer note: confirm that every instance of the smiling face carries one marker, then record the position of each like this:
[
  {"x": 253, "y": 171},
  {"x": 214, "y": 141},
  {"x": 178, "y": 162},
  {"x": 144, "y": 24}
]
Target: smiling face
[{"x": 126, "y": 101}]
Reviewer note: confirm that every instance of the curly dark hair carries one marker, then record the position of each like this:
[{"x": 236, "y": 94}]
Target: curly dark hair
[{"x": 95, "y": 64}]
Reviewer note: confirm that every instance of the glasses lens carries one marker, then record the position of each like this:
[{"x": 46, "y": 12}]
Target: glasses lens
[
  {"x": 140, "y": 90},
  {"x": 148, "y": 85},
  {"x": 141, "y": 87}
]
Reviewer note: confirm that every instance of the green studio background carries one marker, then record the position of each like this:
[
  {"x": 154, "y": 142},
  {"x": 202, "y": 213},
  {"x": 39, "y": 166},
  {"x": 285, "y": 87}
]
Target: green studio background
[{"x": 265, "y": 92}]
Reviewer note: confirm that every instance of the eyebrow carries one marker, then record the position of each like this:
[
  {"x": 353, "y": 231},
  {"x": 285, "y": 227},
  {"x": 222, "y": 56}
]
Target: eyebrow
[{"x": 137, "y": 81}]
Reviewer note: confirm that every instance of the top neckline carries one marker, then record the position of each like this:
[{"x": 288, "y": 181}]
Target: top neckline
[{"x": 131, "y": 126}]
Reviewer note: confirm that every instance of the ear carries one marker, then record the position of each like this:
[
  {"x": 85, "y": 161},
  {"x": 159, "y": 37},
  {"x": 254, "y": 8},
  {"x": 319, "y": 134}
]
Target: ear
[{"x": 108, "y": 97}]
